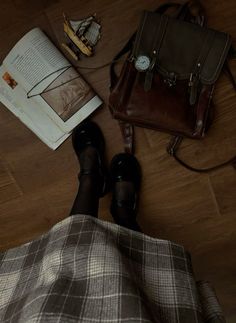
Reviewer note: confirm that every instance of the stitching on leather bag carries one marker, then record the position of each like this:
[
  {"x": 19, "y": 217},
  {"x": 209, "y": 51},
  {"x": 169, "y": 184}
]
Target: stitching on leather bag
[
  {"x": 220, "y": 61},
  {"x": 163, "y": 34},
  {"x": 140, "y": 32},
  {"x": 185, "y": 76},
  {"x": 198, "y": 60},
  {"x": 157, "y": 33},
  {"x": 163, "y": 71},
  {"x": 209, "y": 38}
]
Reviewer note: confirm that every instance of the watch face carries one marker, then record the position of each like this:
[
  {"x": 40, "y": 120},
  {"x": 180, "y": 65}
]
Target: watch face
[{"x": 142, "y": 63}]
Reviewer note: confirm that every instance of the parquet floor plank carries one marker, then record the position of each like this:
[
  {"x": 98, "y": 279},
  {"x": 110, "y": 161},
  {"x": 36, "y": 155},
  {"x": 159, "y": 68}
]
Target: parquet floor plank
[{"x": 37, "y": 185}]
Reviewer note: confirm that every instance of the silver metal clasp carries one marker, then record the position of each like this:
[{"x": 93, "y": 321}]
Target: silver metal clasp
[
  {"x": 131, "y": 59},
  {"x": 194, "y": 75},
  {"x": 174, "y": 145},
  {"x": 190, "y": 83},
  {"x": 171, "y": 79}
]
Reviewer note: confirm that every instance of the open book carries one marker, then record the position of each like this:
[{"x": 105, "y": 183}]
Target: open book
[{"x": 41, "y": 87}]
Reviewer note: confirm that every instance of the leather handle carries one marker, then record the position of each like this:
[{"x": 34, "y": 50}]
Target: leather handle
[{"x": 193, "y": 11}]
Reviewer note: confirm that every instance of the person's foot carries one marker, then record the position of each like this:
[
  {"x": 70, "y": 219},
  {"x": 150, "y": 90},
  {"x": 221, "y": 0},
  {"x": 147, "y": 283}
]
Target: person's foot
[
  {"x": 126, "y": 177},
  {"x": 89, "y": 145}
]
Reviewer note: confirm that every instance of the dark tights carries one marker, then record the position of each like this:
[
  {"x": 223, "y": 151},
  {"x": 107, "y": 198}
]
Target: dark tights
[{"x": 87, "y": 198}]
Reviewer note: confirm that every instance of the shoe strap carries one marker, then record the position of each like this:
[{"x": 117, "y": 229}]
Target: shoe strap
[
  {"x": 88, "y": 172},
  {"x": 97, "y": 174},
  {"x": 128, "y": 204}
]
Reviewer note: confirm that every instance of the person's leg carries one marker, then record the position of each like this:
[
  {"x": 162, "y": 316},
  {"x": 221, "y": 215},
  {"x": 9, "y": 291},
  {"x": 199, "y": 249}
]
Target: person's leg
[
  {"x": 126, "y": 177},
  {"x": 87, "y": 198},
  {"x": 89, "y": 145},
  {"x": 125, "y": 216}
]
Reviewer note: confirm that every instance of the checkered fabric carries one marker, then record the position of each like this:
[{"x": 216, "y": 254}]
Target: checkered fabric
[{"x": 88, "y": 270}]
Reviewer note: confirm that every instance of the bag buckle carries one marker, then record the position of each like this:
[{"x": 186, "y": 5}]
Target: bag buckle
[
  {"x": 174, "y": 145},
  {"x": 131, "y": 59},
  {"x": 171, "y": 79}
]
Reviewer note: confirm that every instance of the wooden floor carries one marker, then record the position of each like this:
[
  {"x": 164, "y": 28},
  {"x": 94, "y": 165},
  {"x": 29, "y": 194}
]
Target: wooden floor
[{"x": 37, "y": 185}]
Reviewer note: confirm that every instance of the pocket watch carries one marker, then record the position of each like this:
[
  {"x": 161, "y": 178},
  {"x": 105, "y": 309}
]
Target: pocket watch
[{"x": 142, "y": 63}]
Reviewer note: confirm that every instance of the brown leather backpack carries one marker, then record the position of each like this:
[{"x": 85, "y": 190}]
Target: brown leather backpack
[{"x": 168, "y": 79}]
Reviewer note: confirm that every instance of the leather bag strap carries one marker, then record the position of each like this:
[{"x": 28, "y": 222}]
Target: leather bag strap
[
  {"x": 127, "y": 131},
  {"x": 173, "y": 148}
]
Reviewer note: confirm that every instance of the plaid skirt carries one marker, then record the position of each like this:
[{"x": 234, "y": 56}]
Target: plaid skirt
[{"x": 88, "y": 270}]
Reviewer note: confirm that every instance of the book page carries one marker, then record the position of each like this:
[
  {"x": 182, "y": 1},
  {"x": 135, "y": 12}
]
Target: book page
[
  {"x": 12, "y": 93},
  {"x": 8, "y": 101},
  {"x": 50, "y": 80},
  {"x": 33, "y": 58}
]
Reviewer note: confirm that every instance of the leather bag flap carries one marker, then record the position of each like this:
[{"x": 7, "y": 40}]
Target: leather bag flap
[{"x": 179, "y": 48}]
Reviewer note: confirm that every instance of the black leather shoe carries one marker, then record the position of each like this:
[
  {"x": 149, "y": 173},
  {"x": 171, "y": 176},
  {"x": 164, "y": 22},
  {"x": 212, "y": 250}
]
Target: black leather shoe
[
  {"x": 89, "y": 134},
  {"x": 125, "y": 168}
]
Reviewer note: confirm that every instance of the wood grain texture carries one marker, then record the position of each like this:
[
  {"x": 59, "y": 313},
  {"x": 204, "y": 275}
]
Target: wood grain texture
[
  {"x": 195, "y": 210},
  {"x": 9, "y": 189}
]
